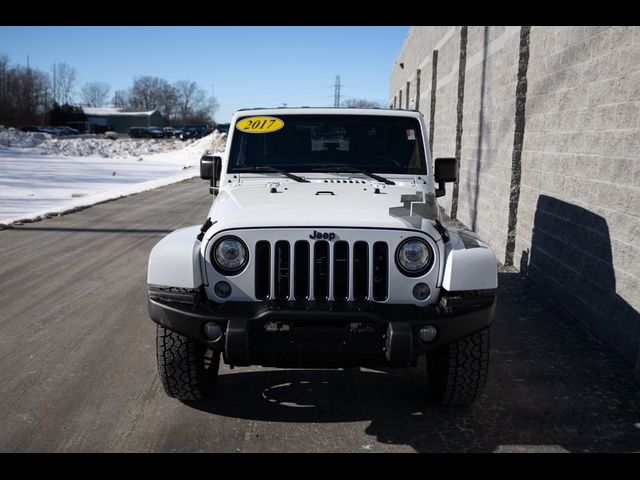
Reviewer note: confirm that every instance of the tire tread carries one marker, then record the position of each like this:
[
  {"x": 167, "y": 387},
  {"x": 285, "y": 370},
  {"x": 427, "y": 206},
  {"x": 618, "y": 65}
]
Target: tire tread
[
  {"x": 181, "y": 366},
  {"x": 458, "y": 372}
]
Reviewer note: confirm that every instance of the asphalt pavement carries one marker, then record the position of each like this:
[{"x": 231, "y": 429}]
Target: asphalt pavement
[{"x": 78, "y": 370}]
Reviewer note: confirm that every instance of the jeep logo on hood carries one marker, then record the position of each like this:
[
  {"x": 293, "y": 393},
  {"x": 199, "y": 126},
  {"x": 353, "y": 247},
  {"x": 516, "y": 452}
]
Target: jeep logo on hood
[{"x": 322, "y": 236}]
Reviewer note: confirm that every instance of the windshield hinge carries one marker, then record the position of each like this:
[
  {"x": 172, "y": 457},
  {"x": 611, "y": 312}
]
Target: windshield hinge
[
  {"x": 441, "y": 230},
  {"x": 204, "y": 228}
]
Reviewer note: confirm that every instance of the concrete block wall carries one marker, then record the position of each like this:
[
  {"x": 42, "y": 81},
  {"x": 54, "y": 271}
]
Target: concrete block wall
[
  {"x": 444, "y": 131},
  {"x": 549, "y": 157},
  {"x": 487, "y": 140}
]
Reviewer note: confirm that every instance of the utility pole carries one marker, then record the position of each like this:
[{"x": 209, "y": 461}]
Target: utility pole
[
  {"x": 54, "y": 84},
  {"x": 46, "y": 105},
  {"x": 336, "y": 96},
  {"x": 212, "y": 103}
]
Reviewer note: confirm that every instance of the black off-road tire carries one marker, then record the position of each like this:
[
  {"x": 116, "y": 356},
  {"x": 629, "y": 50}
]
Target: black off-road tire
[
  {"x": 188, "y": 371},
  {"x": 458, "y": 371}
]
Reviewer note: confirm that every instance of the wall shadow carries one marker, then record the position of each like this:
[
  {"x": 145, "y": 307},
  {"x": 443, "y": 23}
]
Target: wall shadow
[
  {"x": 551, "y": 388},
  {"x": 571, "y": 259}
]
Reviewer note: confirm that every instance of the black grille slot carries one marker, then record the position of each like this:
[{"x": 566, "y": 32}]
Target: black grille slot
[
  {"x": 282, "y": 260},
  {"x": 321, "y": 270},
  {"x": 263, "y": 264},
  {"x": 301, "y": 270},
  {"x": 360, "y": 270},
  {"x": 341, "y": 270},
  {"x": 380, "y": 271}
]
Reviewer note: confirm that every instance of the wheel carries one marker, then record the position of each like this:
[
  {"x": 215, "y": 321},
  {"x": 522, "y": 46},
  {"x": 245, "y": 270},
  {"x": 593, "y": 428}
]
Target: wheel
[
  {"x": 188, "y": 371},
  {"x": 458, "y": 371}
]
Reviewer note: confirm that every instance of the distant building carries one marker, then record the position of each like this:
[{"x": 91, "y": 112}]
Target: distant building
[{"x": 121, "y": 119}]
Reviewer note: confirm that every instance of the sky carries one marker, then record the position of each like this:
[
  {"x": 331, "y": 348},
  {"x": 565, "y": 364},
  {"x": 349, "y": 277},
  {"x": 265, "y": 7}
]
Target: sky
[{"x": 244, "y": 67}]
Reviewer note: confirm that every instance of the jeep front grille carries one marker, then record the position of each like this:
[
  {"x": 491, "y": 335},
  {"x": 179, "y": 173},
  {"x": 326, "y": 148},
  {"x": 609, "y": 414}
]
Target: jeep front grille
[{"x": 336, "y": 270}]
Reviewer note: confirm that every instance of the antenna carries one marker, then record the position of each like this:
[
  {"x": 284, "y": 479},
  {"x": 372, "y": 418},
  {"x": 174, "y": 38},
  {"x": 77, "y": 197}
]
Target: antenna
[{"x": 336, "y": 97}]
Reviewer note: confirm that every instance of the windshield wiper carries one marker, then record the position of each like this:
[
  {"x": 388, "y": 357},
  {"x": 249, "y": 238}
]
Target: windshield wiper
[
  {"x": 271, "y": 169},
  {"x": 338, "y": 169}
]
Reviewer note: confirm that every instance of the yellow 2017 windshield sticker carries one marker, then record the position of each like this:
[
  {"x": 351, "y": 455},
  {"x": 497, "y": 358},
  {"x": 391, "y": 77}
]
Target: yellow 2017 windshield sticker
[{"x": 259, "y": 124}]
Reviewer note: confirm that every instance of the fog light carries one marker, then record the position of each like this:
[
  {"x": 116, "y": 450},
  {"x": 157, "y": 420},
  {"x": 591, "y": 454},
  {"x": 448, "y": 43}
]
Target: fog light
[
  {"x": 222, "y": 289},
  {"x": 421, "y": 291},
  {"x": 212, "y": 331},
  {"x": 428, "y": 334}
]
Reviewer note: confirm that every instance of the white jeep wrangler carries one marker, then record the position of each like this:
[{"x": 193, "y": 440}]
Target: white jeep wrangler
[{"x": 324, "y": 248}]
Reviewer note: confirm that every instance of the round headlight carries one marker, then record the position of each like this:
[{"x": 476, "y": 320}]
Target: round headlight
[
  {"x": 230, "y": 255},
  {"x": 414, "y": 257}
]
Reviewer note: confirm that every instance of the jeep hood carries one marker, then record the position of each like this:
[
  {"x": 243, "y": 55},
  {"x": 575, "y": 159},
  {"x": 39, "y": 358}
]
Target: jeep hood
[{"x": 322, "y": 204}]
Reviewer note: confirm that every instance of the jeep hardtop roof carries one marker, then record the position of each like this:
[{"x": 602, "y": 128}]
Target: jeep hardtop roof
[{"x": 328, "y": 111}]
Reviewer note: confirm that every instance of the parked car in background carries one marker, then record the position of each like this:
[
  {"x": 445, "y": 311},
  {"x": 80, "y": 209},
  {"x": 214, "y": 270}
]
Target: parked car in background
[
  {"x": 146, "y": 132},
  {"x": 155, "y": 132},
  {"x": 37, "y": 129},
  {"x": 57, "y": 131},
  {"x": 81, "y": 127},
  {"x": 62, "y": 130},
  {"x": 169, "y": 132},
  {"x": 194, "y": 131},
  {"x": 138, "y": 132},
  {"x": 223, "y": 127},
  {"x": 98, "y": 129},
  {"x": 110, "y": 134},
  {"x": 31, "y": 128}
]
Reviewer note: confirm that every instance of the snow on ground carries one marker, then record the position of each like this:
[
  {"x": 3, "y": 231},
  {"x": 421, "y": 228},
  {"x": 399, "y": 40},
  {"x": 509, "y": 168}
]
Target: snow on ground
[{"x": 38, "y": 177}]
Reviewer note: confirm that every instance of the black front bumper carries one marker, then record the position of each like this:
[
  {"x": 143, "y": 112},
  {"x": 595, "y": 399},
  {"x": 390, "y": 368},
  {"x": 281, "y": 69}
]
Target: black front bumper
[{"x": 321, "y": 334}]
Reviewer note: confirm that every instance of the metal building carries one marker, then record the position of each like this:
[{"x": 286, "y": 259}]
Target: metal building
[{"x": 120, "y": 119}]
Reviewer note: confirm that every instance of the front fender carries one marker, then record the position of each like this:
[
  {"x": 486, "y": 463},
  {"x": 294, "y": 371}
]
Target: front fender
[
  {"x": 470, "y": 263},
  {"x": 175, "y": 260}
]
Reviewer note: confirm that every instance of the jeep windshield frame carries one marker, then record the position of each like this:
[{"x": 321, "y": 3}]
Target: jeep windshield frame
[{"x": 376, "y": 143}]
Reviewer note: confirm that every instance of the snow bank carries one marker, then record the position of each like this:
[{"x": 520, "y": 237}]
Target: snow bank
[
  {"x": 34, "y": 185},
  {"x": 11, "y": 137},
  {"x": 82, "y": 146}
]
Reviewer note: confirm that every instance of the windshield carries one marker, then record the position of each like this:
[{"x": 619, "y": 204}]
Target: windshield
[{"x": 305, "y": 143}]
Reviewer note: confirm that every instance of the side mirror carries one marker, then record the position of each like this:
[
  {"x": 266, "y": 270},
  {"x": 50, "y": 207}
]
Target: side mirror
[
  {"x": 206, "y": 167},
  {"x": 446, "y": 171},
  {"x": 211, "y": 169}
]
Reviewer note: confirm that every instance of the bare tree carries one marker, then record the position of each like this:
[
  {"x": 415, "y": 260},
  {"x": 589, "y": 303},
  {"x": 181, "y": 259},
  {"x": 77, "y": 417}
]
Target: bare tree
[
  {"x": 212, "y": 106},
  {"x": 95, "y": 94},
  {"x": 25, "y": 94},
  {"x": 64, "y": 80},
  {"x": 167, "y": 101},
  {"x": 148, "y": 93},
  {"x": 120, "y": 99},
  {"x": 183, "y": 101},
  {"x": 360, "y": 103},
  {"x": 4, "y": 77},
  {"x": 26, "y": 98},
  {"x": 190, "y": 98}
]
